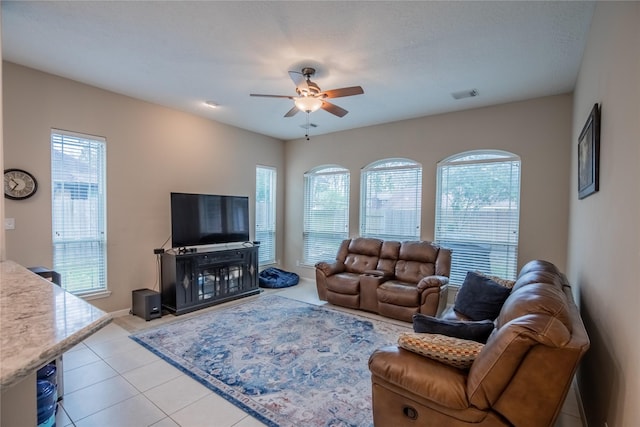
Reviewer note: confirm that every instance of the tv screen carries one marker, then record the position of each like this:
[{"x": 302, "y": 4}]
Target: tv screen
[{"x": 205, "y": 219}]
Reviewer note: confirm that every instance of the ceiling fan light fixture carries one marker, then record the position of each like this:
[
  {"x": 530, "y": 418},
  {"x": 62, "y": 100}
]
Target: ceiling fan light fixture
[{"x": 308, "y": 104}]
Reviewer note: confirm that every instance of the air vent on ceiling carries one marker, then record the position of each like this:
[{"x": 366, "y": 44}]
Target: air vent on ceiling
[{"x": 465, "y": 94}]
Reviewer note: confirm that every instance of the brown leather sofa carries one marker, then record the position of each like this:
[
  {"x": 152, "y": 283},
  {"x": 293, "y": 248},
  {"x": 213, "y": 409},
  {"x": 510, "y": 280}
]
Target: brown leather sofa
[
  {"x": 520, "y": 377},
  {"x": 394, "y": 279}
]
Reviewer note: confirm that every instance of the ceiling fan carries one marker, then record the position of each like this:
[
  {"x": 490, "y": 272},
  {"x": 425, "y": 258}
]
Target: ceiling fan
[{"x": 310, "y": 98}]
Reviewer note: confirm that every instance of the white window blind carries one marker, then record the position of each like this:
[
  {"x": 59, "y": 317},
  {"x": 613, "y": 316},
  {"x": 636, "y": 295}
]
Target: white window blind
[
  {"x": 266, "y": 214},
  {"x": 326, "y": 213},
  {"x": 391, "y": 192},
  {"x": 477, "y": 212},
  {"x": 78, "y": 194}
]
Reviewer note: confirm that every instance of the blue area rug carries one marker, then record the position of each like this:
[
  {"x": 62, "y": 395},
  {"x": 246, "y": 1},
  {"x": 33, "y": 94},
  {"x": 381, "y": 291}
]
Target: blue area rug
[{"x": 285, "y": 362}]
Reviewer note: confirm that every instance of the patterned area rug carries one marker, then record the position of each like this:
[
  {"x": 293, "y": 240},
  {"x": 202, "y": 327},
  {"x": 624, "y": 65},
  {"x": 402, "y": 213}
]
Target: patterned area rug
[{"x": 285, "y": 362}]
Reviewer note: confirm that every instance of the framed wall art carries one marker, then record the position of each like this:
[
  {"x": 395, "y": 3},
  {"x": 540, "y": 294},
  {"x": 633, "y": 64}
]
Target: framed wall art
[{"x": 589, "y": 155}]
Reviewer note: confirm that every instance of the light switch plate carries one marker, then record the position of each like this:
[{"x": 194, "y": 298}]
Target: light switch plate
[{"x": 9, "y": 223}]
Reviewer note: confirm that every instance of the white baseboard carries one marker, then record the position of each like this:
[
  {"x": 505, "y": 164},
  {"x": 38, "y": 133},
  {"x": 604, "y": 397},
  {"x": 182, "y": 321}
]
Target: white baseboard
[
  {"x": 120, "y": 313},
  {"x": 583, "y": 416}
]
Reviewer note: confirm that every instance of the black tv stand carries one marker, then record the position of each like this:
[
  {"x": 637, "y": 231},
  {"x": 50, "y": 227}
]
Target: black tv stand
[{"x": 202, "y": 278}]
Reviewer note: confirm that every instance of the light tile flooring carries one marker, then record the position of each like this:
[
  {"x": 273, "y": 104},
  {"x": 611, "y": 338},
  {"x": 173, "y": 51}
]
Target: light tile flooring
[{"x": 109, "y": 380}]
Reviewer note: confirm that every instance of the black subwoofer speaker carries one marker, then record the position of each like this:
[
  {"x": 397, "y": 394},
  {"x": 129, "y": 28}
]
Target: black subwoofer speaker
[{"x": 146, "y": 304}]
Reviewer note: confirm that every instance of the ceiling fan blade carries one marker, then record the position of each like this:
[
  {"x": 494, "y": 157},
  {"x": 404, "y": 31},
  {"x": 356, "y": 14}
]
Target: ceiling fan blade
[
  {"x": 292, "y": 112},
  {"x": 333, "y": 109},
  {"x": 271, "y": 96},
  {"x": 345, "y": 91},
  {"x": 297, "y": 77}
]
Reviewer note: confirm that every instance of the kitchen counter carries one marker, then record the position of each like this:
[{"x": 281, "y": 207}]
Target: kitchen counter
[{"x": 38, "y": 322}]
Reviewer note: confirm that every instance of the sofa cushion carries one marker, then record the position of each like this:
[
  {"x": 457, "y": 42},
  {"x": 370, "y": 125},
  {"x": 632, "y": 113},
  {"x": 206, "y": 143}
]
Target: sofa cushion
[
  {"x": 393, "y": 292},
  {"x": 537, "y": 298},
  {"x": 365, "y": 246},
  {"x": 413, "y": 271},
  {"x": 344, "y": 283},
  {"x": 538, "y": 277},
  {"x": 452, "y": 351},
  {"x": 388, "y": 256},
  {"x": 480, "y": 298},
  {"x": 362, "y": 255},
  {"x": 475, "y": 331}
]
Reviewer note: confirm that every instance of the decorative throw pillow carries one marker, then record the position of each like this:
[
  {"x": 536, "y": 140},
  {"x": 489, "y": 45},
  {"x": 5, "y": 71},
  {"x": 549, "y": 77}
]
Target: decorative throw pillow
[
  {"x": 499, "y": 280},
  {"x": 476, "y": 331},
  {"x": 480, "y": 298},
  {"x": 454, "y": 352}
]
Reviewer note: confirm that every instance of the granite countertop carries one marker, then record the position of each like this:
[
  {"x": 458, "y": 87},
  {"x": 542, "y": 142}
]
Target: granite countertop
[{"x": 38, "y": 322}]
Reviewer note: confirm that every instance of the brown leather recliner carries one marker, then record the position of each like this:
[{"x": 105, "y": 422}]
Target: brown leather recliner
[
  {"x": 520, "y": 377},
  {"x": 339, "y": 282},
  {"x": 387, "y": 277}
]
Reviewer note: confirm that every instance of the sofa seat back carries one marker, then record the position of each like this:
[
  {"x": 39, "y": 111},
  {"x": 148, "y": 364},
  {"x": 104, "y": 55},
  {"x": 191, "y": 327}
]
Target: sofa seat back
[
  {"x": 362, "y": 255},
  {"x": 389, "y": 253},
  {"x": 415, "y": 261}
]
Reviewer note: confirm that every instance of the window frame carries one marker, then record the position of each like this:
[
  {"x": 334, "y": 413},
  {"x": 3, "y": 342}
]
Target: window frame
[
  {"x": 313, "y": 239},
  {"x": 505, "y": 220},
  {"x": 377, "y": 167},
  {"x": 90, "y": 241},
  {"x": 267, "y": 250}
]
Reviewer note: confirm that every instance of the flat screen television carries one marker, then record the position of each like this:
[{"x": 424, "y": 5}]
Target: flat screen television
[{"x": 207, "y": 219}]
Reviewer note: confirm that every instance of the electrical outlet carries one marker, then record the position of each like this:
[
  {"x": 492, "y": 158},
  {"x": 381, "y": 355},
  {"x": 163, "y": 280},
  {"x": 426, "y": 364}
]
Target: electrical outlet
[{"x": 9, "y": 223}]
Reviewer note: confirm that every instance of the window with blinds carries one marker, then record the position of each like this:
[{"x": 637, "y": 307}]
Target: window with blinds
[
  {"x": 266, "y": 214},
  {"x": 78, "y": 201},
  {"x": 391, "y": 194},
  {"x": 477, "y": 212},
  {"x": 326, "y": 213}
]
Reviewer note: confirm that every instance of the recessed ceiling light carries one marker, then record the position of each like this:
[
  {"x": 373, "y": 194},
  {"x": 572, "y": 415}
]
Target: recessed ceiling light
[{"x": 211, "y": 104}]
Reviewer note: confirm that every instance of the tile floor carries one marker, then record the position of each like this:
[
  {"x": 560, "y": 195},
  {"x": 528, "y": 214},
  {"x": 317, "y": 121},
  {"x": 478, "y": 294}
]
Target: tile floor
[{"x": 109, "y": 380}]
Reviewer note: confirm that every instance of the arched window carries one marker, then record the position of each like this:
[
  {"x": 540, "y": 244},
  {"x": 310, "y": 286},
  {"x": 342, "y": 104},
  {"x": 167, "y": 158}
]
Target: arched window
[
  {"x": 391, "y": 193},
  {"x": 326, "y": 212},
  {"x": 477, "y": 212}
]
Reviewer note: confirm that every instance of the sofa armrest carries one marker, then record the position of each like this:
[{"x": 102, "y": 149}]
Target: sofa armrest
[
  {"x": 432, "y": 282},
  {"x": 418, "y": 377},
  {"x": 330, "y": 268}
]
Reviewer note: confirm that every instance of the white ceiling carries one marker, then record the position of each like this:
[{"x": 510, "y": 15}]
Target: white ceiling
[{"x": 408, "y": 56}]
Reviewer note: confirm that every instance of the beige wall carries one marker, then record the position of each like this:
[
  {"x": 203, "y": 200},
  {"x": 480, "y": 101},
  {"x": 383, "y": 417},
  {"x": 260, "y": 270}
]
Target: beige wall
[
  {"x": 2, "y": 232},
  {"x": 539, "y": 131},
  {"x": 604, "y": 237},
  {"x": 151, "y": 151}
]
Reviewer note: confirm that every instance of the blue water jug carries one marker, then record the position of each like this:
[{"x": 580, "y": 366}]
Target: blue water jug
[
  {"x": 48, "y": 373},
  {"x": 47, "y": 396}
]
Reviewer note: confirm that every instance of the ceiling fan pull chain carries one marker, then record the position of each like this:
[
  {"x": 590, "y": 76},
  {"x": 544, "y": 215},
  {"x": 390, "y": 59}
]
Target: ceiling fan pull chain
[{"x": 308, "y": 127}]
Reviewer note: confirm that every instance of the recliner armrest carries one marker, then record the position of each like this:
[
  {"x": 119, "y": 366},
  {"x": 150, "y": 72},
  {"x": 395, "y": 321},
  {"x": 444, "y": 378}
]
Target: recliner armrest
[
  {"x": 330, "y": 268},
  {"x": 432, "y": 282}
]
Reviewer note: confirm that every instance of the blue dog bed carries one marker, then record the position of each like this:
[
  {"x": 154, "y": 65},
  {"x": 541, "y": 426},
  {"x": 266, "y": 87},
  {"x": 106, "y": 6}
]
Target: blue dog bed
[{"x": 275, "y": 278}]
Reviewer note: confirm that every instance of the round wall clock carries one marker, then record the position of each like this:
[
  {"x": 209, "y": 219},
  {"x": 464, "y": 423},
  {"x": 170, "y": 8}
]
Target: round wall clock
[{"x": 19, "y": 184}]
